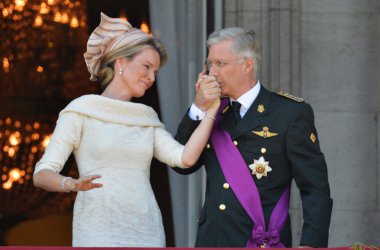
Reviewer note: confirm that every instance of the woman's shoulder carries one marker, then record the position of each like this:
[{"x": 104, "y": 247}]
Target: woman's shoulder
[
  {"x": 83, "y": 100},
  {"x": 113, "y": 110},
  {"x": 78, "y": 104}
]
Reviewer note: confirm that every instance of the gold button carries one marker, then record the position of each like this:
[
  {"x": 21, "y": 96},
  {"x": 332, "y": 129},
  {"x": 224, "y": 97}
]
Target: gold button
[
  {"x": 236, "y": 143},
  {"x": 222, "y": 207},
  {"x": 263, "y": 150},
  {"x": 226, "y": 185},
  {"x": 208, "y": 145}
]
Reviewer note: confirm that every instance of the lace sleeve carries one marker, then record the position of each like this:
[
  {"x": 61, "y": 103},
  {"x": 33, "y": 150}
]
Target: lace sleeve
[
  {"x": 65, "y": 138},
  {"x": 167, "y": 149}
]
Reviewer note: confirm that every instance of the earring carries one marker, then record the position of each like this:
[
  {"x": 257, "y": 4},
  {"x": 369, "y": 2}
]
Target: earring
[{"x": 121, "y": 71}]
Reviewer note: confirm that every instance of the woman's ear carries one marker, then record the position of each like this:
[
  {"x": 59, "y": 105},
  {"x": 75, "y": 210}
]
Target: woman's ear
[{"x": 119, "y": 63}]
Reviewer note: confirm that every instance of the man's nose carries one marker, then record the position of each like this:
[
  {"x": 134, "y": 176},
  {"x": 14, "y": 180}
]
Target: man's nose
[{"x": 213, "y": 71}]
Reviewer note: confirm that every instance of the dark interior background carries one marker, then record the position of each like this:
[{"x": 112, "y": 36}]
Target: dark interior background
[{"x": 30, "y": 216}]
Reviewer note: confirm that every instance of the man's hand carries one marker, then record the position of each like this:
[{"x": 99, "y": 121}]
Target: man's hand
[{"x": 207, "y": 89}]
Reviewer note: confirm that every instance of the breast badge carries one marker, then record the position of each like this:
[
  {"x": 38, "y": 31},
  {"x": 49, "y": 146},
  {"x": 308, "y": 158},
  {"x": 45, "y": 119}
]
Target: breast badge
[
  {"x": 265, "y": 133},
  {"x": 260, "y": 108},
  {"x": 260, "y": 167}
]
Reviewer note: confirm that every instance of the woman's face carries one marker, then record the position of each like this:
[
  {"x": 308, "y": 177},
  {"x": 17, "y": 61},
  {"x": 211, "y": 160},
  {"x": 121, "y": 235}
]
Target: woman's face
[{"x": 140, "y": 72}]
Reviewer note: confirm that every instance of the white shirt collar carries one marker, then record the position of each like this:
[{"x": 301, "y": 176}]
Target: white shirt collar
[{"x": 248, "y": 98}]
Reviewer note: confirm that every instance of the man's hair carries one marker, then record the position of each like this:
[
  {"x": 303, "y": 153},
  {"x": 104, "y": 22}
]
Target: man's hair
[{"x": 245, "y": 43}]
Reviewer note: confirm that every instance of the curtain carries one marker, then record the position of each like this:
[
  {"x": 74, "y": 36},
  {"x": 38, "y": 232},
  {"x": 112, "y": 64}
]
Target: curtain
[{"x": 181, "y": 26}]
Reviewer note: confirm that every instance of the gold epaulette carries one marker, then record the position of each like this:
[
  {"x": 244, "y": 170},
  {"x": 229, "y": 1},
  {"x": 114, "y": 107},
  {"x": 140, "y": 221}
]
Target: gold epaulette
[{"x": 292, "y": 97}]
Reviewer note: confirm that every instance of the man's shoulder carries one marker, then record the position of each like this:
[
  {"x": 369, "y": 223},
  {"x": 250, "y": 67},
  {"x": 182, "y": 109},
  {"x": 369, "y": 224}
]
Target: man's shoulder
[
  {"x": 289, "y": 97},
  {"x": 286, "y": 104},
  {"x": 281, "y": 96},
  {"x": 282, "y": 101}
]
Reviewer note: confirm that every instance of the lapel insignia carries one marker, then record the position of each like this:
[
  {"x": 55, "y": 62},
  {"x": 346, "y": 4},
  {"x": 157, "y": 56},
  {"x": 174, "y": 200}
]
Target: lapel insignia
[
  {"x": 225, "y": 109},
  {"x": 260, "y": 108},
  {"x": 313, "y": 138},
  {"x": 265, "y": 133},
  {"x": 260, "y": 167}
]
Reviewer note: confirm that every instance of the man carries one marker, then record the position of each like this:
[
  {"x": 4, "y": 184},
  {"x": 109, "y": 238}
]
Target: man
[{"x": 261, "y": 141}]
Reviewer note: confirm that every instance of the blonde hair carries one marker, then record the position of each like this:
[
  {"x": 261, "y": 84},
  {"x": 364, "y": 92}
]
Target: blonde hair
[{"x": 107, "y": 68}]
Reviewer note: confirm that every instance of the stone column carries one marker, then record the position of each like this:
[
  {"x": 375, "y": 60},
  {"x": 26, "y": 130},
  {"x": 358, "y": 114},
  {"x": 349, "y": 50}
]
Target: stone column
[{"x": 341, "y": 79}]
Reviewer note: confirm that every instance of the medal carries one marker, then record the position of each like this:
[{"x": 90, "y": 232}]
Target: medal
[{"x": 260, "y": 167}]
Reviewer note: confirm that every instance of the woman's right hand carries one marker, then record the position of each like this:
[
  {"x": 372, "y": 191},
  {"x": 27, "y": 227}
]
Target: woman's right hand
[
  {"x": 207, "y": 89},
  {"x": 85, "y": 183}
]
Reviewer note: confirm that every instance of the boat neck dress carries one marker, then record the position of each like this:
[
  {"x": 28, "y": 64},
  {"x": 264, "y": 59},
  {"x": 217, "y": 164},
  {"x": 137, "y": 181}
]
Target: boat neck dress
[{"x": 116, "y": 139}]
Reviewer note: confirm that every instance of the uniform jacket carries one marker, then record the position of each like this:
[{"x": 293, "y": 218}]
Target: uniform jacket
[{"x": 292, "y": 149}]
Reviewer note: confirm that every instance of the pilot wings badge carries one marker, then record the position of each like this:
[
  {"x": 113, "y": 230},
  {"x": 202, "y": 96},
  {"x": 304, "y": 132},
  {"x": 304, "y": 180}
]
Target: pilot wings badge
[{"x": 265, "y": 133}]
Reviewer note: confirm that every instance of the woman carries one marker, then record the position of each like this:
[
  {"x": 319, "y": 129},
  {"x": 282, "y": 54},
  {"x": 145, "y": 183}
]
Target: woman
[{"x": 115, "y": 140}]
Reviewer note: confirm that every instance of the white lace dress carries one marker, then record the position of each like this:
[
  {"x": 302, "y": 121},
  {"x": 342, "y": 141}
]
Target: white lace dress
[{"x": 117, "y": 140}]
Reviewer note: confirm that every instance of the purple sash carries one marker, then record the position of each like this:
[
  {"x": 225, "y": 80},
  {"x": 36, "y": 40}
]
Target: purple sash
[{"x": 240, "y": 179}]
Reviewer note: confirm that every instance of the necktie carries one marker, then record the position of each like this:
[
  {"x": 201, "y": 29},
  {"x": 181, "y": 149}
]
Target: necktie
[{"x": 236, "y": 106}]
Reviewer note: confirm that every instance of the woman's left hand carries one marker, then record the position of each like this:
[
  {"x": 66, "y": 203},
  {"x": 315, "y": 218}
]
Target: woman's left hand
[{"x": 86, "y": 183}]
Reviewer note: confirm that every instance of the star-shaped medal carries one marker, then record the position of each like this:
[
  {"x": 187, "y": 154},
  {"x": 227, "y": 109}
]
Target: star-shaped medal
[{"x": 260, "y": 167}]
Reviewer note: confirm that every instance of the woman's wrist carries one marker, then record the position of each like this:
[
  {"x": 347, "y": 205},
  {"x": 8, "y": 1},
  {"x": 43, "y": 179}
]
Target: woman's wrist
[
  {"x": 68, "y": 185},
  {"x": 65, "y": 185},
  {"x": 209, "y": 116},
  {"x": 211, "y": 113}
]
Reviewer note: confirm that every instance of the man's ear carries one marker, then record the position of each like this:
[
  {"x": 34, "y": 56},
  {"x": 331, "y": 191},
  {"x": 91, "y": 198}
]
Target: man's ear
[{"x": 249, "y": 65}]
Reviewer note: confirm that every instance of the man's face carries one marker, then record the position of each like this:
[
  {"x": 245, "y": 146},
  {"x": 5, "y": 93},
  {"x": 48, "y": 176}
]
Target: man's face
[{"x": 227, "y": 68}]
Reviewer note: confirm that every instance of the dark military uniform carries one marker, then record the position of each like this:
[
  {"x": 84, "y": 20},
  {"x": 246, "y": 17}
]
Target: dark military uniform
[{"x": 280, "y": 128}]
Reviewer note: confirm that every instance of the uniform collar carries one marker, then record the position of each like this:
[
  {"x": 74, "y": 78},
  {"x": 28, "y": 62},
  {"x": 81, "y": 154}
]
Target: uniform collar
[{"x": 248, "y": 98}]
